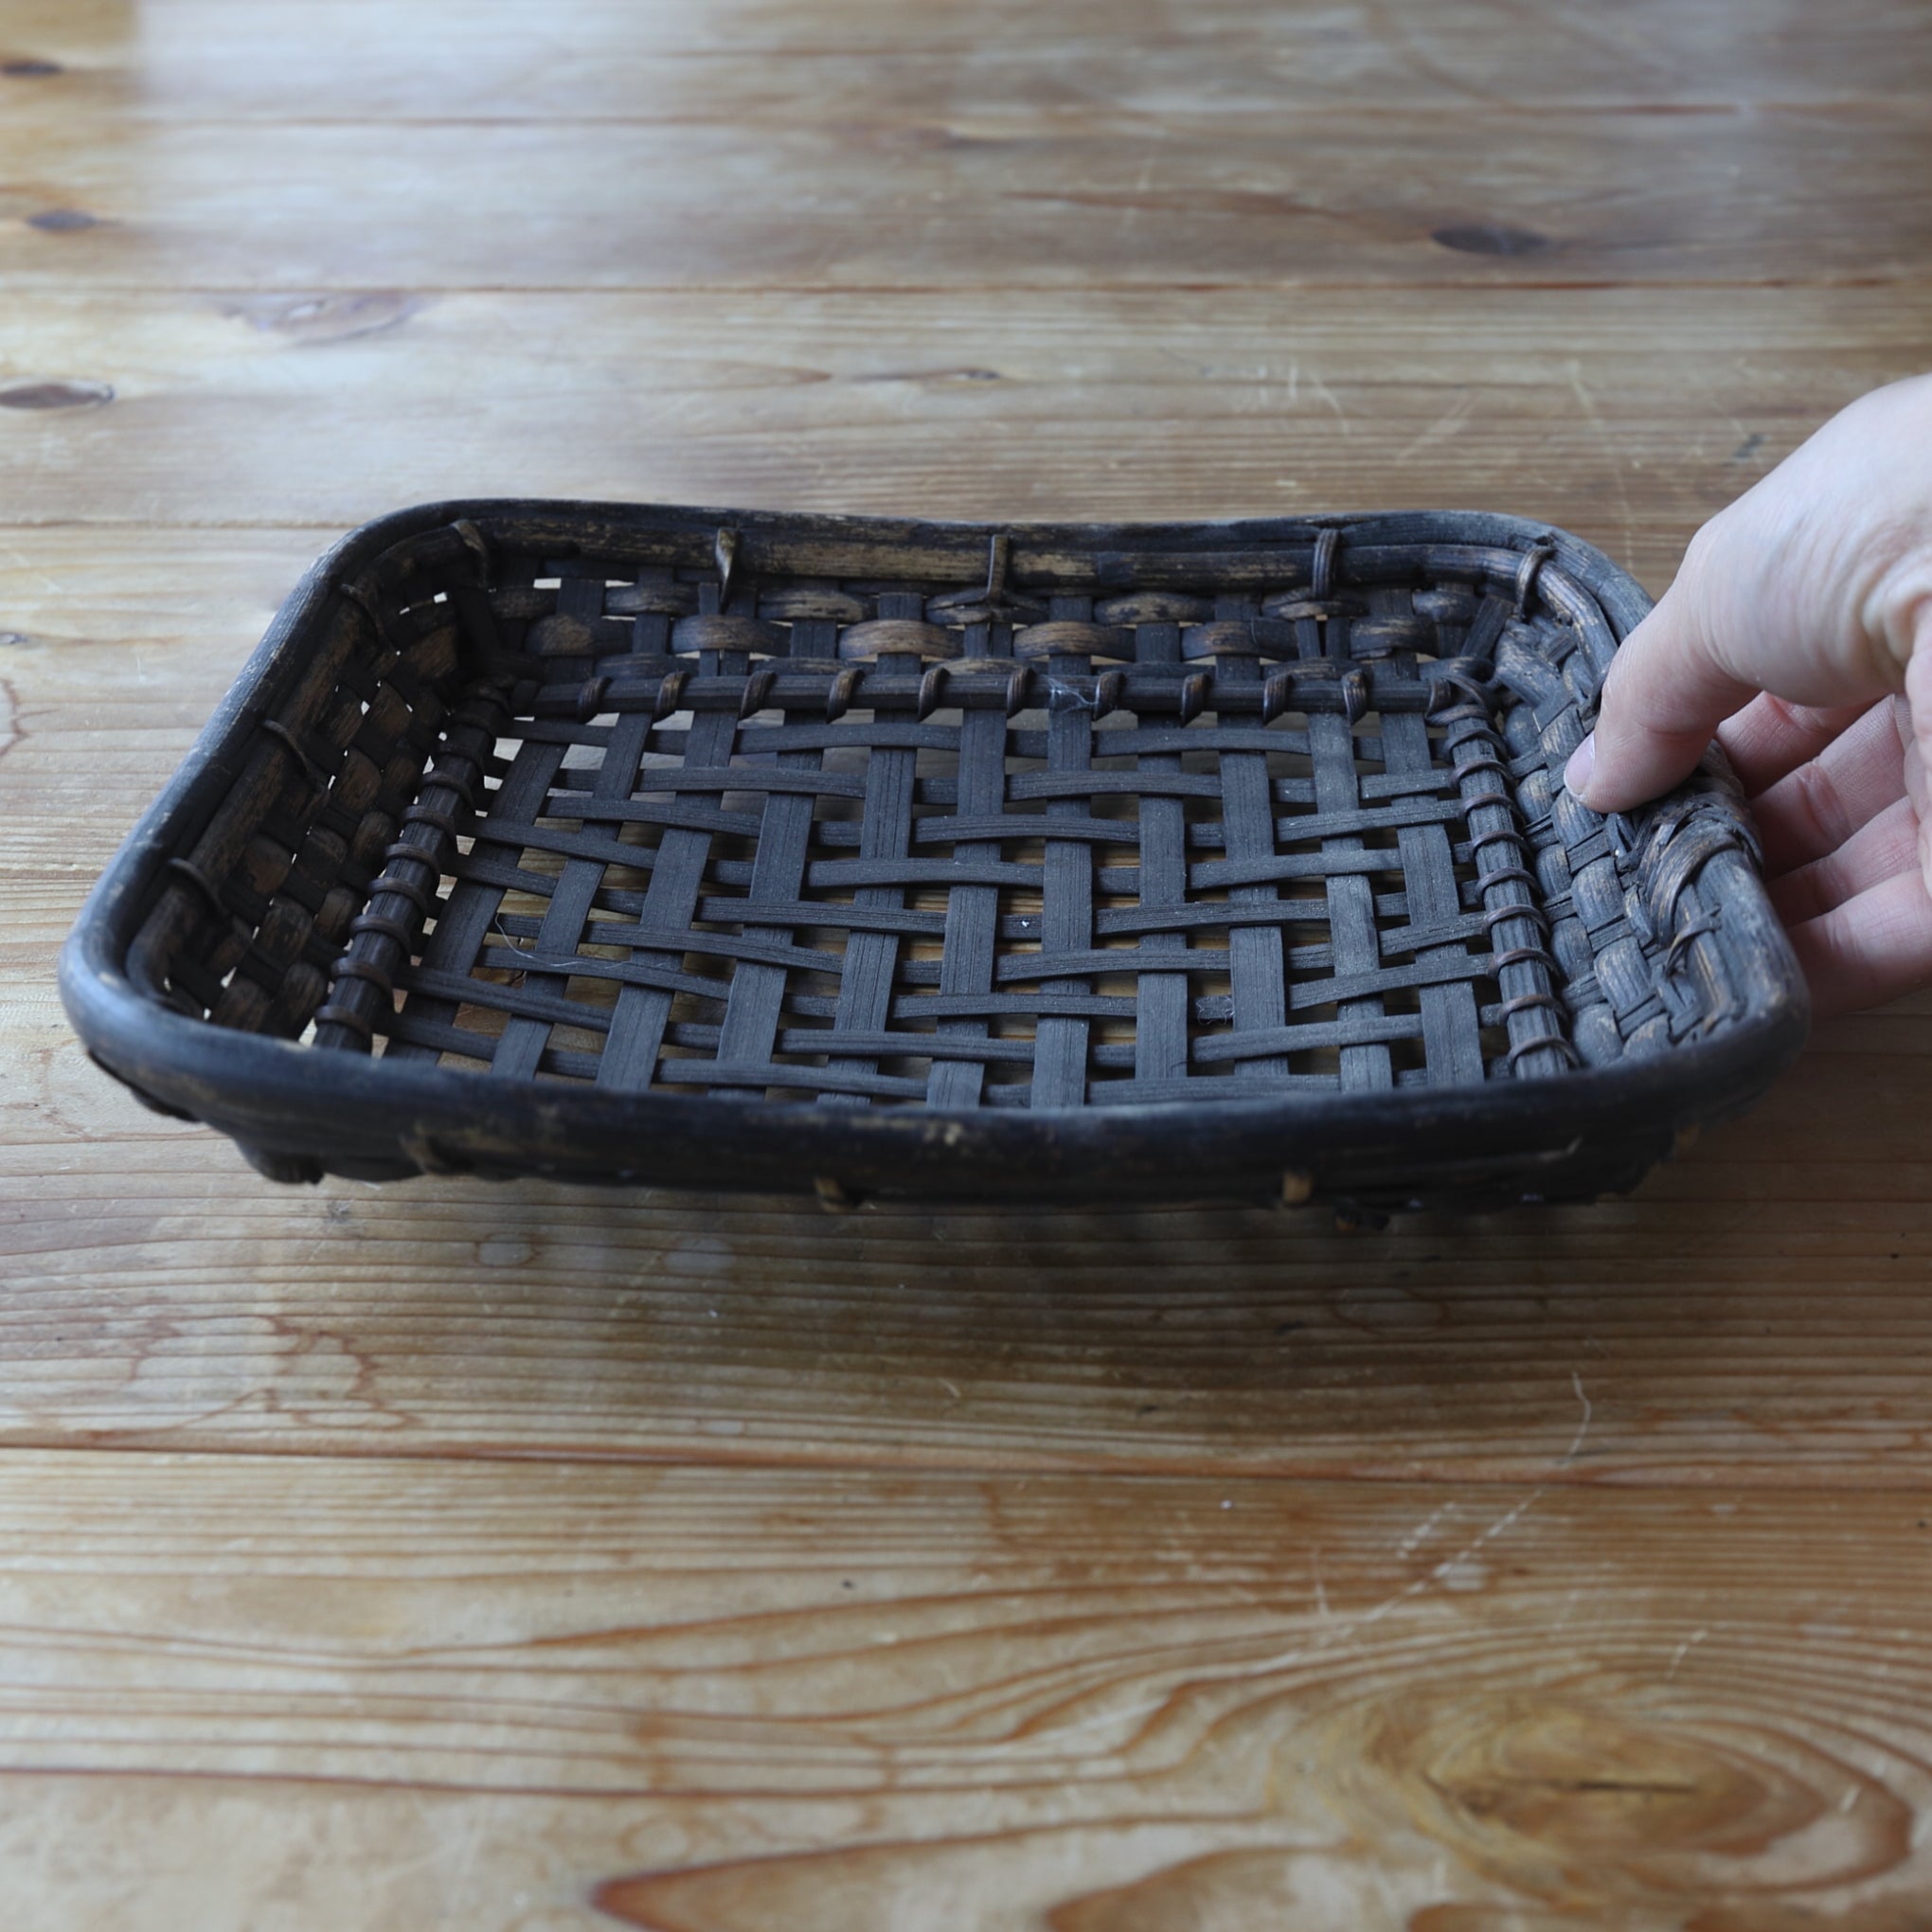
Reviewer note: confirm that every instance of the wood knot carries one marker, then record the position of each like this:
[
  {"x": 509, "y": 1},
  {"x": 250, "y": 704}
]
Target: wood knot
[
  {"x": 1491, "y": 238},
  {"x": 326, "y": 316},
  {"x": 55, "y": 395},
  {"x": 1535, "y": 1790}
]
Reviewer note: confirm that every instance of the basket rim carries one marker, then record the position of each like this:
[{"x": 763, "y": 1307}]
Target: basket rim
[{"x": 262, "y": 1087}]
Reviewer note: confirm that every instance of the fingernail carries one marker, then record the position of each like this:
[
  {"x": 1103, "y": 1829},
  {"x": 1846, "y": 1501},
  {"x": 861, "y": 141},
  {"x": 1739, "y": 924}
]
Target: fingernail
[{"x": 1583, "y": 761}]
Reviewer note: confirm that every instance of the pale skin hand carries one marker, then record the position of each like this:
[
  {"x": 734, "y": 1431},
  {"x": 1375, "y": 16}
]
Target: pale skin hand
[{"x": 1799, "y": 631}]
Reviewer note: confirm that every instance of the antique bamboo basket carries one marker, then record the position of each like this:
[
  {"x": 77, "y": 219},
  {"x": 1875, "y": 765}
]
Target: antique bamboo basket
[{"x": 1047, "y": 863}]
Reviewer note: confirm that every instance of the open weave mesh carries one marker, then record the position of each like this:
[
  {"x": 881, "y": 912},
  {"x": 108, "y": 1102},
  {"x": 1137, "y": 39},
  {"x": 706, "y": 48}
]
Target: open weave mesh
[{"x": 859, "y": 839}]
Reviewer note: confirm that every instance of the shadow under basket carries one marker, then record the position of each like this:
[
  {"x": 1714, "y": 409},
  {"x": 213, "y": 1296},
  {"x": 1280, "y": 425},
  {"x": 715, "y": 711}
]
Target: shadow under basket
[{"x": 1097, "y": 863}]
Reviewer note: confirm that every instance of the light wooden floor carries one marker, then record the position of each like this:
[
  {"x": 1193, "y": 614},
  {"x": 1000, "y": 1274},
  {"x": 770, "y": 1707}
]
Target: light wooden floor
[{"x": 520, "y": 1557}]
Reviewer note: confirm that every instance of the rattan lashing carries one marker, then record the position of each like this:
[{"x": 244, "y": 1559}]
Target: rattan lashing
[{"x": 892, "y": 857}]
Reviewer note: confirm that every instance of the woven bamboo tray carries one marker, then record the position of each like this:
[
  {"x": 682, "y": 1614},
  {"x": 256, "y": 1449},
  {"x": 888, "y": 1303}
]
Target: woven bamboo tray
[{"x": 764, "y": 851}]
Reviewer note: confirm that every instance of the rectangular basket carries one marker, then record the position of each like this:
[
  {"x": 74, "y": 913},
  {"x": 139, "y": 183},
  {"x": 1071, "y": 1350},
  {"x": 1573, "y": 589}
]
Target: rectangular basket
[{"x": 766, "y": 851}]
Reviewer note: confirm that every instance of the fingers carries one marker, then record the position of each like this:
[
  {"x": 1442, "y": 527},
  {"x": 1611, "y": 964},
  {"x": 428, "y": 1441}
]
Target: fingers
[
  {"x": 1879, "y": 850},
  {"x": 1770, "y": 737},
  {"x": 1665, "y": 695},
  {"x": 1815, "y": 809},
  {"x": 1870, "y": 949}
]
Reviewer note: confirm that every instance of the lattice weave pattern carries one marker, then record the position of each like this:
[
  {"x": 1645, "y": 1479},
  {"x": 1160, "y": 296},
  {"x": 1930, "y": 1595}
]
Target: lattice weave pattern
[{"x": 769, "y": 827}]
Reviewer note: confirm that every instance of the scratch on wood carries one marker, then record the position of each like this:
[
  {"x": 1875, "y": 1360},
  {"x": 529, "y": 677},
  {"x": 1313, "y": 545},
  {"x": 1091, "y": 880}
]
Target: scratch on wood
[
  {"x": 1682, "y": 1651},
  {"x": 1454, "y": 1572},
  {"x": 1451, "y": 418}
]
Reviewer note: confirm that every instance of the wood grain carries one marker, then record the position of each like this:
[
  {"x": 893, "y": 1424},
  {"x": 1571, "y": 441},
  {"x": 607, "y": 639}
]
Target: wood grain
[
  {"x": 527, "y": 1321},
  {"x": 525, "y": 1558},
  {"x": 739, "y": 1700},
  {"x": 638, "y": 60},
  {"x": 1552, "y": 402},
  {"x": 1445, "y": 197}
]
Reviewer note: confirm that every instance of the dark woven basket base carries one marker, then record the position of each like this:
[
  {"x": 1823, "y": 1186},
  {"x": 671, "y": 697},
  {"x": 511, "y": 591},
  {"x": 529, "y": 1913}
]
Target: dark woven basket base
[{"x": 816, "y": 820}]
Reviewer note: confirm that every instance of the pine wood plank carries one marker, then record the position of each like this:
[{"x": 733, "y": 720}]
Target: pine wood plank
[
  {"x": 326, "y": 408},
  {"x": 998, "y": 198},
  {"x": 626, "y": 60},
  {"x": 1755, "y": 1317},
  {"x": 734, "y": 1700}
]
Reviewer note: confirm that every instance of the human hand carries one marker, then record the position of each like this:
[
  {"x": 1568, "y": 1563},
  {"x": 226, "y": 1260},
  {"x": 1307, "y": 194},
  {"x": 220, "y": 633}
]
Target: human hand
[{"x": 1799, "y": 627}]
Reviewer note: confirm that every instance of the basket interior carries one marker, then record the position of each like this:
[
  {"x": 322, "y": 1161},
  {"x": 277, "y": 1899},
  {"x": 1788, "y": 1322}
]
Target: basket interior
[{"x": 721, "y": 825}]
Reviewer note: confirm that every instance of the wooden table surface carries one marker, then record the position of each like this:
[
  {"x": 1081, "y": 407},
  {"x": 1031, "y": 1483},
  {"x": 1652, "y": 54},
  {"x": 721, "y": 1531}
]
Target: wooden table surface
[{"x": 515, "y": 1556}]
